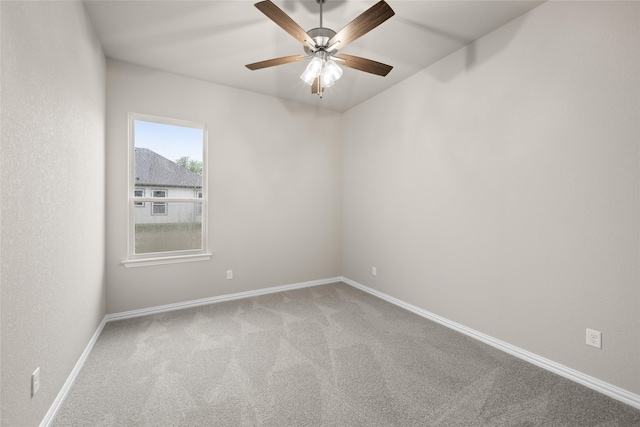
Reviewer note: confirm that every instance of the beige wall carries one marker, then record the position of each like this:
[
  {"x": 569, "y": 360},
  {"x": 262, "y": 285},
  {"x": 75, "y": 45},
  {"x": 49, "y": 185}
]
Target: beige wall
[
  {"x": 499, "y": 188},
  {"x": 274, "y": 185},
  {"x": 52, "y": 173}
]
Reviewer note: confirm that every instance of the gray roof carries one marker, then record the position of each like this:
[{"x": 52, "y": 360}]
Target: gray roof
[{"x": 151, "y": 169}]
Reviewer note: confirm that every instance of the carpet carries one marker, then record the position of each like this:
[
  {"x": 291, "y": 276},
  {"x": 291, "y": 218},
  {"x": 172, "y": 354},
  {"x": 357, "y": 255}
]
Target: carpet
[{"x": 328, "y": 355}]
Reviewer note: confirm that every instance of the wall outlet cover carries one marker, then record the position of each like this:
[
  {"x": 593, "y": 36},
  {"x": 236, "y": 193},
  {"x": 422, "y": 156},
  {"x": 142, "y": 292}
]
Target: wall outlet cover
[
  {"x": 594, "y": 338},
  {"x": 35, "y": 381}
]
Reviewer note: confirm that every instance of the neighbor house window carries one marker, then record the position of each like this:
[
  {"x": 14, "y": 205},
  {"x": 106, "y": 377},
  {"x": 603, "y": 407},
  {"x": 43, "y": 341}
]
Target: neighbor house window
[
  {"x": 167, "y": 170},
  {"x": 138, "y": 192},
  {"x": 158, "y": 208},
  {"x": 199, "y": 205}
]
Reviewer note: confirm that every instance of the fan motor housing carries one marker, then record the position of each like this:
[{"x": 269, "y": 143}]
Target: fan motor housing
[{"x": 321, "y": 37}]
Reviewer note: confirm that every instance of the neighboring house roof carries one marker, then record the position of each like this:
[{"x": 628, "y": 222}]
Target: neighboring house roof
[{"x": 154, "y": 170}]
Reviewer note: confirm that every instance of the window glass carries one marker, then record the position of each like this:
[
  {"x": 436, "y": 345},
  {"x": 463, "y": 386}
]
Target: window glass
[{"x": 182, "y": 233}]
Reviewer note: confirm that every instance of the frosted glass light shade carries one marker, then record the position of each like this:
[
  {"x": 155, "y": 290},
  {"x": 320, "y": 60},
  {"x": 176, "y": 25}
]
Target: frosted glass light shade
[
  {"x": 330, "y": 73},
  {"x": 312, "y": 71}
]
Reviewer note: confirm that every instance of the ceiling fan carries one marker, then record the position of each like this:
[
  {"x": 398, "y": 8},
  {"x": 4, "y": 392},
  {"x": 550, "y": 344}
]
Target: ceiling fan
[{"x": 321, "y": 45}]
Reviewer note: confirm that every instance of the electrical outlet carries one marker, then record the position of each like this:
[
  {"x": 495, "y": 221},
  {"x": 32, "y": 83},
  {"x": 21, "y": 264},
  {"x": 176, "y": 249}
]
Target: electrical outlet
[
  {"x": 594, "y": 338},
  {"x": 35, "y": 381},
  {"x": 374, "y": 271},
  {"x": 229, "y": 274}
]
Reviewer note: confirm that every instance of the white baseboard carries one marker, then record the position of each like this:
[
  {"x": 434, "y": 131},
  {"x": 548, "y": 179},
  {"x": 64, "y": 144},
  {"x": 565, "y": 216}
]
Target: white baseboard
[
  {"x": 564, "y": 371},
  {"x": 62, "y": 394},
  {"x": 213, "y": 300}
]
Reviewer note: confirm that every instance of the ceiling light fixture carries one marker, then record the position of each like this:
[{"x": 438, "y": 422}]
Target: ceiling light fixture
[
  {"x": 321, "y": 45},
  {"x": 322, "y": 72},
  {"x": 325, "y": 70}
]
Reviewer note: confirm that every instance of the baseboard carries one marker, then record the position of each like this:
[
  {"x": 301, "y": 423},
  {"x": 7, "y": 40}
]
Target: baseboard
[
  {"x": 564, "y": 371},
  {"x": 62, "y": 394},
  {"x": 213, "y": 300}
]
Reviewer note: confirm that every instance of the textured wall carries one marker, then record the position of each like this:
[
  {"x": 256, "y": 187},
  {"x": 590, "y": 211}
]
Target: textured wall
[
  {"x": 52, "y": 227},
  {"x": 274, "y": 182},
  {"x": 499, "y": 188}
]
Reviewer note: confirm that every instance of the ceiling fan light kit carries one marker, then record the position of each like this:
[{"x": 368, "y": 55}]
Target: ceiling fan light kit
[
  {"x": 322, "y": 68},
  {"x": 321, "y": 45}
]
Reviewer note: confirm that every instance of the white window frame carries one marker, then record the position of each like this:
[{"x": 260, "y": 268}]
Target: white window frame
[{"x": 170, "y": 257}]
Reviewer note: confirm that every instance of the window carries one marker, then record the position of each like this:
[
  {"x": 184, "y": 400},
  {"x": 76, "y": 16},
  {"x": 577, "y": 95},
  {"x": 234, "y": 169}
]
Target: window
[
  {"x": 138, "y": 192},
  {"x": 158, "y": 208},
  {"x": 168, "y": 169},
  {"x": 199, "y": 205}
]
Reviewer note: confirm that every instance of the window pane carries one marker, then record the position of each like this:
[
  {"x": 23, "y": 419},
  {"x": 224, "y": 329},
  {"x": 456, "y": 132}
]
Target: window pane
[
  {"x": 168, "y": 156},
  {"x": 178, "y": 230}
]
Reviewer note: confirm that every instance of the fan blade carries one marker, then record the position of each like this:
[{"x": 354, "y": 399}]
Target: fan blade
[
  {"x": 363, "y": 64},
  {"x": 367, "y": 21},
  {"x": 315, "y": 87},
  {"x": 283, "y": 20},
  {"x": 274, "y": 62}
]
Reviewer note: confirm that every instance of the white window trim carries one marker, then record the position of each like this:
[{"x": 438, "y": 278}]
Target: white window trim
[{"x": 159, "y": 258}]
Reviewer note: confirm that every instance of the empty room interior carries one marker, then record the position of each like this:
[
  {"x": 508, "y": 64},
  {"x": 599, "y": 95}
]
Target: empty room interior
[{"x": 441, "y": 226}]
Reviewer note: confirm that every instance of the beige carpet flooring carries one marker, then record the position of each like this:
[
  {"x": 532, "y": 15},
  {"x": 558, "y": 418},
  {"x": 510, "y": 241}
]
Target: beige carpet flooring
[{"x": 327, "y": 355}]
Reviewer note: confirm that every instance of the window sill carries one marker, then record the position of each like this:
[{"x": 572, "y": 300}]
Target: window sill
[{"x": 144, "y": 262}]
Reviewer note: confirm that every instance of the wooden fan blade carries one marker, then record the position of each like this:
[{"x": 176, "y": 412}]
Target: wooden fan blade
[
  {"x": 315, "y": 87},
  {"x": 283, "y": 20},
  {"x": 367, "y": 21},
  {"x": 274, "y": 62},
  {"x": 363, "y": 64}
]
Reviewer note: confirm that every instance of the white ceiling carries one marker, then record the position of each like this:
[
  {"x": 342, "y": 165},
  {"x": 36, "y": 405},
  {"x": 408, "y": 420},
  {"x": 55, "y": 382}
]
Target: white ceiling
[{"x": 213, "y": 40}]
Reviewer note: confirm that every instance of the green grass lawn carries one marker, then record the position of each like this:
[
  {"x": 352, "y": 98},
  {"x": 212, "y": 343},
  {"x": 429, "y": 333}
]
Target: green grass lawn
[{"x": 168, "y": 237}]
